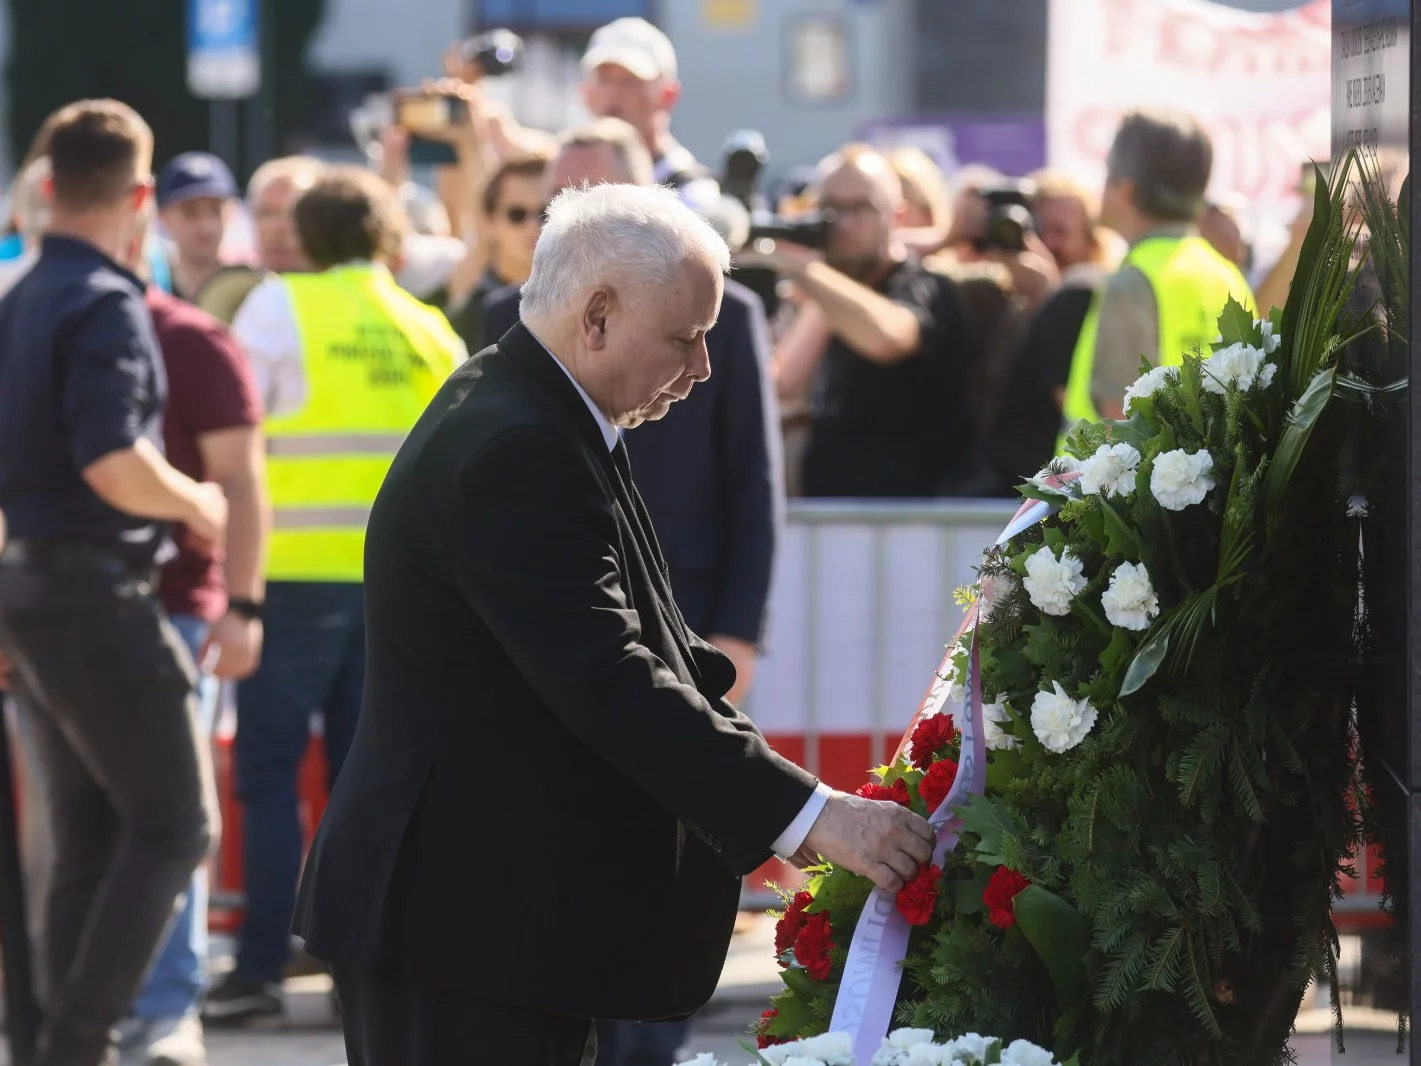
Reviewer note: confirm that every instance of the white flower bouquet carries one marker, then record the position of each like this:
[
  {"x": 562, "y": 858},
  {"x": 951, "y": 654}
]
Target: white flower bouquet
[{"x": 903, "y": 1047}]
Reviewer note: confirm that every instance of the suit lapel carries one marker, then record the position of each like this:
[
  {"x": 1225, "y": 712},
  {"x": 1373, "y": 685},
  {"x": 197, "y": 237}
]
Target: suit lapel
[
  {"x": 658, "y": 575},
  {"x": 531, "y": 357}
]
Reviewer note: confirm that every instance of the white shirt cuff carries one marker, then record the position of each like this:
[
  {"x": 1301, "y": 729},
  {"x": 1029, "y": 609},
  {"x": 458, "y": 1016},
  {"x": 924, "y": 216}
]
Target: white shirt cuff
[{"x": 792, "y": 839}]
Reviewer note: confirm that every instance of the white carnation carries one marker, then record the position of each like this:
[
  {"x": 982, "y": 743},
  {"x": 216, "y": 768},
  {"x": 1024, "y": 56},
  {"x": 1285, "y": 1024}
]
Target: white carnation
[
  {"x": 1110, "y": 471},
  {"x": 1150, "y": 382},
  {"x": 1271, "y": 340},
  {"x": 973, "y": 1048},
  {"x": 1237, "y": 366},
  {"x": 928, "y": 1055},
  {"x": 1053, "y": 583},
  {"x": 991, "y": 591},
  {"x": 1265, "y": 376},
  {"x": 1024, "y": 1053},
  {"x": 1058, "y": 721},
  {"x": 1180, "y": 479},
  {"x": 896, "y": 1045},
  {"x": 828, "y": 1049},
  {"x": 994, "y": 716},
  {"x": 1130, "y": 601},
  {"x": 705, "y": 1058}
]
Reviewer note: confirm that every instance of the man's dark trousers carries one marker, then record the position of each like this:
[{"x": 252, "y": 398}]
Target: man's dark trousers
[
  {"x": 108, "y": 686},
  {"x": 313, "y": 658},
  {"x": 402, "y": 1023}
]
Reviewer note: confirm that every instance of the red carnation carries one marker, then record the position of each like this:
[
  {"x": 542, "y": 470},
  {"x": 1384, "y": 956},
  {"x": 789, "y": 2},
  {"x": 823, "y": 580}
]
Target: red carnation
[
  {"x": 788, "y": 927},
  {"x": 812, "y": 946},
  {"x": 931, "y": 733},
  {"x": 898, "y": 793},
  {"x": 999, "y": 895},
  {"x": 762, "y": 1030},
  {"x": 918, "y": 897},
  {"x": 937, "y": 783}
]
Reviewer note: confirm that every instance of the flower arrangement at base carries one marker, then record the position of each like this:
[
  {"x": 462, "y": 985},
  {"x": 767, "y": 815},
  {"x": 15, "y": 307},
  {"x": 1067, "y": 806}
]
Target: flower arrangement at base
[
  {"x": 904, "y": 1047},
  {"x": 1162, "y": 670}
]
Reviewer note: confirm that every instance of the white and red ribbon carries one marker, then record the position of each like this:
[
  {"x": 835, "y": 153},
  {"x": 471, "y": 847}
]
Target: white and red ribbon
[{"x": 869, "y": 988}]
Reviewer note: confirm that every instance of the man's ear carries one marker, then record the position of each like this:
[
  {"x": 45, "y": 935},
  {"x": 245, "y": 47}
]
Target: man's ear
[
  {"x": 594, "y": 317},
  {"x": 670, "y": 93}
]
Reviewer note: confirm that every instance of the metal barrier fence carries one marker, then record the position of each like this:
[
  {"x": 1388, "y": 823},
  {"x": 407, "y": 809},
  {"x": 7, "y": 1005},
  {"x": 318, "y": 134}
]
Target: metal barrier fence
[{"x": 860, "y": 608}]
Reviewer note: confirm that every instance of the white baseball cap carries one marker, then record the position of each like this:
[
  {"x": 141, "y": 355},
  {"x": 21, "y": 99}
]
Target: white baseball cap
[{"x": 634, "y": 44}]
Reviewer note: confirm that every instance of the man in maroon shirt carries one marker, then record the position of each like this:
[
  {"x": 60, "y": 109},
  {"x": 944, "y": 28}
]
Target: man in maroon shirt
[{"x": 211, "y": 431}]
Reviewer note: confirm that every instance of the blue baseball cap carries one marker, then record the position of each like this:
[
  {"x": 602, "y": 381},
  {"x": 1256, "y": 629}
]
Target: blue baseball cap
[{"x": 194, "y": 174}]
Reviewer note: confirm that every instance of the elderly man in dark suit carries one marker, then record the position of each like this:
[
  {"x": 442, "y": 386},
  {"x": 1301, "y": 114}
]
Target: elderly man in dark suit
[
  {"x": 710, "y": 472},
  {"x": 538, "y": 718}
]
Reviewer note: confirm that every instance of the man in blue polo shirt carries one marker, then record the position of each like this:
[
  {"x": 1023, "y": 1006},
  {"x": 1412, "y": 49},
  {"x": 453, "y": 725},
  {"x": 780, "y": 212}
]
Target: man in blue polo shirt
[{"x": 101, "y": 676}]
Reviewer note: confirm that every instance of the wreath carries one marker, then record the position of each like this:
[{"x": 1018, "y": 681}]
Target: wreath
[{"x": 1158, "y": 668}]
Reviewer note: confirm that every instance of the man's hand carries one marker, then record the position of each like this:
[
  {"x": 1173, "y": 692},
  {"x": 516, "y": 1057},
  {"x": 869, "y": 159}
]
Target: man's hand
[
  {"x": 395, "y": 156},
  {"x": 783, "y": 257},
  {"x": 1033, "y": 271},
  {"x": 238, "y": 643},
  {"x": 742, "y": 655},
  {"x": 206, "y": 519},
  {"x": 878, "y": 839}
]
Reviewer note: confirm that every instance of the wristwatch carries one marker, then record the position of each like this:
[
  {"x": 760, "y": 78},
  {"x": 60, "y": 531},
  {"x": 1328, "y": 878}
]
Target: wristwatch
[{"x": 248, "y": 609}]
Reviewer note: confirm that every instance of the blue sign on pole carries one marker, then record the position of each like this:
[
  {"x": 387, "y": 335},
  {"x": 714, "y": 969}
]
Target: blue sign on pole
[{"x": 224, "y": 48}]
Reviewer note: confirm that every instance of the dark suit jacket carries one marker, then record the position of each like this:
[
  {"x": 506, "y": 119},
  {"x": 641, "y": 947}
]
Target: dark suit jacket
[
  {"x": 543, "y": 745},
  {"x": 709, "y": 471}
]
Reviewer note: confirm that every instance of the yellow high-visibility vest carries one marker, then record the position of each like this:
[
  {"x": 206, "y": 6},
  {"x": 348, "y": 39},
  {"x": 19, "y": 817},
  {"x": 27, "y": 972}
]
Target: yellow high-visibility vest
[
  {"x": 1192, "y": 282},
  {"x": 373, "y": 357}
]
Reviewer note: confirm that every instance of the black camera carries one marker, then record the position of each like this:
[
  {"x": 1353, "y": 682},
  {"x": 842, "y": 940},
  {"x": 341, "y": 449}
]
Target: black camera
[
  {"x": 812, "y": 231},
  {"x": 495, "y": 53},
  {"x": 1009, "y": 217}
]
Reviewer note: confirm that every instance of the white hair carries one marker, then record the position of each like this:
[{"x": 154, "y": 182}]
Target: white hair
[{"x": 632, "y": 236}]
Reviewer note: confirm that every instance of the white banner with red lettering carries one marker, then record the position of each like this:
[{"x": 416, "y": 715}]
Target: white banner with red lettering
[{"x": 1259, "y": 82}]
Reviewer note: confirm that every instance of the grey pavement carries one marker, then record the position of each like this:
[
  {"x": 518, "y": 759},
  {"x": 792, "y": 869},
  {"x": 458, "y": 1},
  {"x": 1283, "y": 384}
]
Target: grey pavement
[{"x": 310, "y": 1034}]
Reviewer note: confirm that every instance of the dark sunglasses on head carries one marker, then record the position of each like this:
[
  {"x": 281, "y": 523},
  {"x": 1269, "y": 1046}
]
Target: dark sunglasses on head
[{"x": 520, "y": 215}]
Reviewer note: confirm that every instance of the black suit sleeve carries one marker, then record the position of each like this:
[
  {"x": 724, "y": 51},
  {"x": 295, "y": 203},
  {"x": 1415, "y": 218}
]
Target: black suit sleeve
[
  {"x": 747, "y": 432},
  {"x": 536, "y": 547}
]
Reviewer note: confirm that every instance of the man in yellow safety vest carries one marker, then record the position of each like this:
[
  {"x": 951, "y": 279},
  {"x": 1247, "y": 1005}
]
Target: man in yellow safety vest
[
  {"x": 346, "y": 361},
  {"x": 1166, "y": 297}
]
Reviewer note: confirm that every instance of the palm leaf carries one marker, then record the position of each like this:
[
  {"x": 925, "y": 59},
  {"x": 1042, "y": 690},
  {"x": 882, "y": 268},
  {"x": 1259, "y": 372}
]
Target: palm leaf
[{"x": 1301, "y": 420}]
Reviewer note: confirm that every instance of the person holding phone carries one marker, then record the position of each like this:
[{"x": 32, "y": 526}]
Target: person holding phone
[{"x": 511, "y": 217}]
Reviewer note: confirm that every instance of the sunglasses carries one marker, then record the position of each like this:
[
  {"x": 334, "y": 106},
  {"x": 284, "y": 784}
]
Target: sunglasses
[{"x": 519, "y": 215}]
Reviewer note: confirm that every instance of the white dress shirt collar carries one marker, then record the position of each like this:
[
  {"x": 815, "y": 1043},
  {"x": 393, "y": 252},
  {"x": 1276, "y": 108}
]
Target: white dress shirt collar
[{"x": 609, "y": 431}]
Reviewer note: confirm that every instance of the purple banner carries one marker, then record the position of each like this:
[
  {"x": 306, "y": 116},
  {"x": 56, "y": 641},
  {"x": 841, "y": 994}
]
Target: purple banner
[{"x": 1012, "y": 144}]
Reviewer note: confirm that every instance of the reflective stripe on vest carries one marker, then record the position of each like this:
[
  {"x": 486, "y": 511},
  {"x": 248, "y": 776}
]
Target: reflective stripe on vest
[
  {"x": 373, "y": 356},
  {"x": 1191, "y": 282}
]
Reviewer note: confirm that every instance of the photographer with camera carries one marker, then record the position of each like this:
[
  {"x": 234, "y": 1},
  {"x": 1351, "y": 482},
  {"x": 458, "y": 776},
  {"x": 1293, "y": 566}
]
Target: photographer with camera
[
  {"x": 881, "y": 341},
  {"x": 1023, "y": 413},
  {"x": 992, "y": 222}
]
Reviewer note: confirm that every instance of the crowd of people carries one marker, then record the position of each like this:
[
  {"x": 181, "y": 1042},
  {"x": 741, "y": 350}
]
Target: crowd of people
[{"x": 915, "y": 354}]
